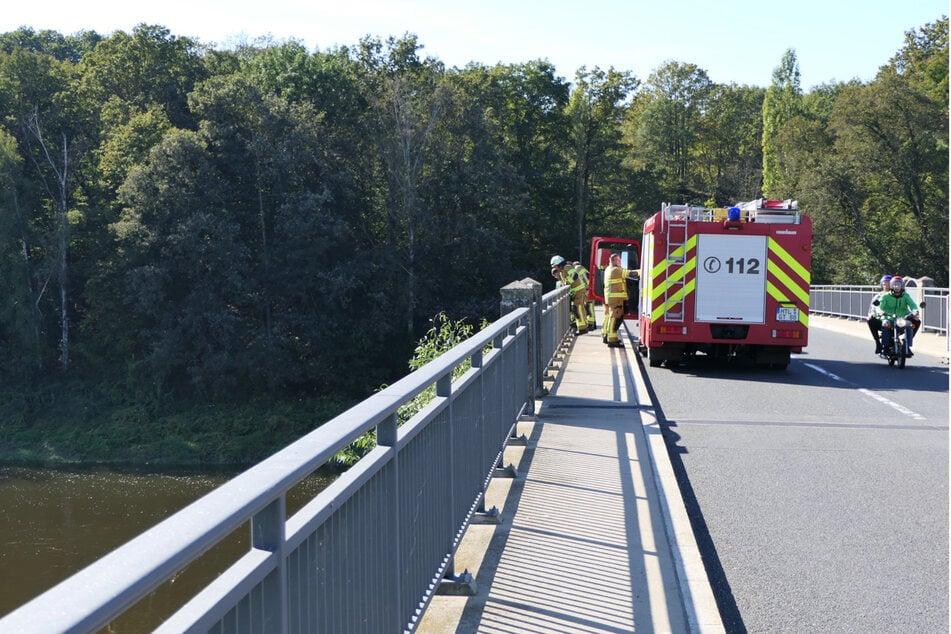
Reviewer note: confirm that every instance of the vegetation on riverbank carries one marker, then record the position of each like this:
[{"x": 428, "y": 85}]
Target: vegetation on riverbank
[{"x": 82, "y": 424}]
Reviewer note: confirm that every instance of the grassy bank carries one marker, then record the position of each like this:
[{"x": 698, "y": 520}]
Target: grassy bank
[{"x": 79, "y": 423}]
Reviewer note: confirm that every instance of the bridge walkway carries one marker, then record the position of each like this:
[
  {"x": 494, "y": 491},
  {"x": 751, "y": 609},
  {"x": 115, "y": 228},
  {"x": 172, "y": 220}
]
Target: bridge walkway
[{"x": 593, "y": 535}]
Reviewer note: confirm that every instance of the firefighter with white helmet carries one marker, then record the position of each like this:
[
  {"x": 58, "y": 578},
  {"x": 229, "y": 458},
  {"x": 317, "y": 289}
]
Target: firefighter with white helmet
[{"x": 576, "y": 290}]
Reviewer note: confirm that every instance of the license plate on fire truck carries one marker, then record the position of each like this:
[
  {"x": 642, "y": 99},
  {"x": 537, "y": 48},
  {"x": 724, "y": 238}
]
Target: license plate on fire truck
[{"x": 787, "y": 313}]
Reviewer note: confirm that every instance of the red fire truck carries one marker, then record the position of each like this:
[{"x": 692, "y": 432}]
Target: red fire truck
[{"x": 725, "y": 282}]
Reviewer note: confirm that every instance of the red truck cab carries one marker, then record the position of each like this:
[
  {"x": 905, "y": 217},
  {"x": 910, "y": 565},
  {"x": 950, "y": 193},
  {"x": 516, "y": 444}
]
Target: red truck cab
[{"x": 601, "y": 249}]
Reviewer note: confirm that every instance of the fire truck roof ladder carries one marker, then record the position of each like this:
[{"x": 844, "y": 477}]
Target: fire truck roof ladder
[{"x": 676, "y": 218}]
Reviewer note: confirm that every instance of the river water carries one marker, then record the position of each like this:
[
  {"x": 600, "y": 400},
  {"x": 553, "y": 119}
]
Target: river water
[{"x": 54, "y": 523}]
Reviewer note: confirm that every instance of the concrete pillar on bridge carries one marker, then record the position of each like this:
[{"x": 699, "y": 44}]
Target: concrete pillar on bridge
[
  {"x": 527, "y": 293},
  {"x": 919, "y": 287}
]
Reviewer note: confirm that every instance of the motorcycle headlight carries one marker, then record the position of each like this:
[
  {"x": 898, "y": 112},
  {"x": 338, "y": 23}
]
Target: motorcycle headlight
[{"x": 901, "y": 322}]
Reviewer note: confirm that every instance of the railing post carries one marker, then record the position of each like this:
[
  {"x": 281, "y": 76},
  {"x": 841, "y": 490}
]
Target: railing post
[
  {"x": 527, "y": 293},
  {"x": 919, "y": 292},
  {"x": 267, "y": 533},
  {"x": 387, "y": 436}
]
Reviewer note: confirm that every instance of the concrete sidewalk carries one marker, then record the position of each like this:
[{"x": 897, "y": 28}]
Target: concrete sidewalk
[{"x": 594, "y": 536}]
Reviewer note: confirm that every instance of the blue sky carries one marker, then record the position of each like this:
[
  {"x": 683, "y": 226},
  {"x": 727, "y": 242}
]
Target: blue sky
[{"x": 738, "y": 41}]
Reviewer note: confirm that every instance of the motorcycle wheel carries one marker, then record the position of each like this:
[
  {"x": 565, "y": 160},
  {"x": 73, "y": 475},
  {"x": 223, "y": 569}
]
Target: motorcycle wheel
[{"x": 901, "y": 356}]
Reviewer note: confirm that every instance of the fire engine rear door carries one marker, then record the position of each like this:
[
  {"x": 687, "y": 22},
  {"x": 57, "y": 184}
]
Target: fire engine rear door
[{"x": 731, "y": 278}]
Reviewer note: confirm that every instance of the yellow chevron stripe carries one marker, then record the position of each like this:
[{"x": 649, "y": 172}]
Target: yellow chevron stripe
[
  {"x": 677, "y": 273},
  {"x": 673, "y": 276},
  {"x": 676, "y": 297},
  {"x": 796, "y": 289},
  {"x": 790, "y": 261},
  {"x": 678, "y": 252},
  {"x": 777, "y": 294}
]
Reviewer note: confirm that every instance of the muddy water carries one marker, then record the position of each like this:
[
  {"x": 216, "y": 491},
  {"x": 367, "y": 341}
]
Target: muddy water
[{"x": 53, "y": 523}]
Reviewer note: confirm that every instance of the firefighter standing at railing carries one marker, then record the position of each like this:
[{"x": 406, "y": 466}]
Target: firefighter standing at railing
[
  {"x": 588, "y": 304},
  {"x": 615, "y": 297},
  {"x": 576, "y": 290}
]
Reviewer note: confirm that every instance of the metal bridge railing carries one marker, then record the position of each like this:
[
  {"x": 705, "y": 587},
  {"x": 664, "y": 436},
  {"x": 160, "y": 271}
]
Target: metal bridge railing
[
  {"x": 366, "y": 553},
  {"x": 853, "y": 302}
]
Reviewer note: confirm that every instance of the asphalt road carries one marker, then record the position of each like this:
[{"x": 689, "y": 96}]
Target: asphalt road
[{"x": 819, "y": 494}]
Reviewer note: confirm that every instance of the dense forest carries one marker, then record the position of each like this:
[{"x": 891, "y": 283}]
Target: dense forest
[{"x": 267, "y": 231}]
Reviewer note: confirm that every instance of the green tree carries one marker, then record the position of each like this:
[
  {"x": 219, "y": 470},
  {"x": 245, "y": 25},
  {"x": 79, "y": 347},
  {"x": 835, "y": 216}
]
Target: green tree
[
  {"x": 63, "y": 48},
  {"x": 667, "y": 118},
  {"x": 517, "y": 114},
  {"x": 148, "y": 67},
  {"x": 54, "y": 136},
  {"x": 924, "y": 60},
  {"x": 596, "y": 109},
  {"x": 127, "y": 138},
  {"x": 783, "y": 102},
  {"x": 184, "y": 268},
  {"x": 895, "y": 138},
  {"x": 20, "y": 323},
  {"x": 407, "y": 95},
  {"x": 729, "y": 149}
]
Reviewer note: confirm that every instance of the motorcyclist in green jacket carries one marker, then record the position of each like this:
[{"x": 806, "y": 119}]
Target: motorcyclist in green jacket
[{"x": 894, "y": 304}]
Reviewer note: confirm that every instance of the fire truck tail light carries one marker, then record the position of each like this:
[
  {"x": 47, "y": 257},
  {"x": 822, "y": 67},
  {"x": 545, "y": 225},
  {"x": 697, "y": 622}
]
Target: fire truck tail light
[
  {"x": 787, "y": 334},
  {"x": 673, "y": 330}
]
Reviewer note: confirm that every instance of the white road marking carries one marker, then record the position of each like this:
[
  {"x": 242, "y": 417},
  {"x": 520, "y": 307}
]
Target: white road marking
[{"x": 878, "y": 397}]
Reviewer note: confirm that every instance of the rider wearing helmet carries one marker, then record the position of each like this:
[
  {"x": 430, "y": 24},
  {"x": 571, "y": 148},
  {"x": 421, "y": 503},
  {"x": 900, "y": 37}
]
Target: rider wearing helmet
[
  {"x": 874, "y": 323},
  {"x": 894, "y": 304},
  {"x": 576, "y": 290}
]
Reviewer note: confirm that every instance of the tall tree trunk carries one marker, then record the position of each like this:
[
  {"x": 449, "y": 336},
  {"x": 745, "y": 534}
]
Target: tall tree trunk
[
  {"x": 34, "y": 298},
  {"x": 63, "y": 312},
  {"x": 403, "y": 156},
  {"x": 265, "y": 286},
  {"x": 61, "y": 196}
]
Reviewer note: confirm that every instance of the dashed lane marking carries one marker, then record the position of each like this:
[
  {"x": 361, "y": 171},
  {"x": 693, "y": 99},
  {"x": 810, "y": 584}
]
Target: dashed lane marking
[{"x": 878, "y": 397}]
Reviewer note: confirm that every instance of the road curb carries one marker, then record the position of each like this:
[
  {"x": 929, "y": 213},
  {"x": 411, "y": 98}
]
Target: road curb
[{"x": 700, "y": 607}]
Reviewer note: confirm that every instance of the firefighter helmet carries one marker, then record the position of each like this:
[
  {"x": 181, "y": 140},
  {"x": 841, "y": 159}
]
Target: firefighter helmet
[{"x": 557, "y": 260}]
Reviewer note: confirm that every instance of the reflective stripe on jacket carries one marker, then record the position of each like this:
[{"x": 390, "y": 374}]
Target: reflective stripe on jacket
[
  {"x": 574, "y": 281},
  {"x": 615, "y": 285}
]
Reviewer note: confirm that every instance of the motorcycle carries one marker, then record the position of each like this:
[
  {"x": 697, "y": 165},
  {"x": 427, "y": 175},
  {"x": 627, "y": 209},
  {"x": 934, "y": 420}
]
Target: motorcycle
[{"x": 898, "y": 351}]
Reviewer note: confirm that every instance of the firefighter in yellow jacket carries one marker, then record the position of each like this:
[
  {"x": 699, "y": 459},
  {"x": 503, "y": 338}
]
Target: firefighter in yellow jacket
[
  {"x": 588, "y": 303},
  {"x": 615, "y": 297},
  {"x": 576, "y": 290}
]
